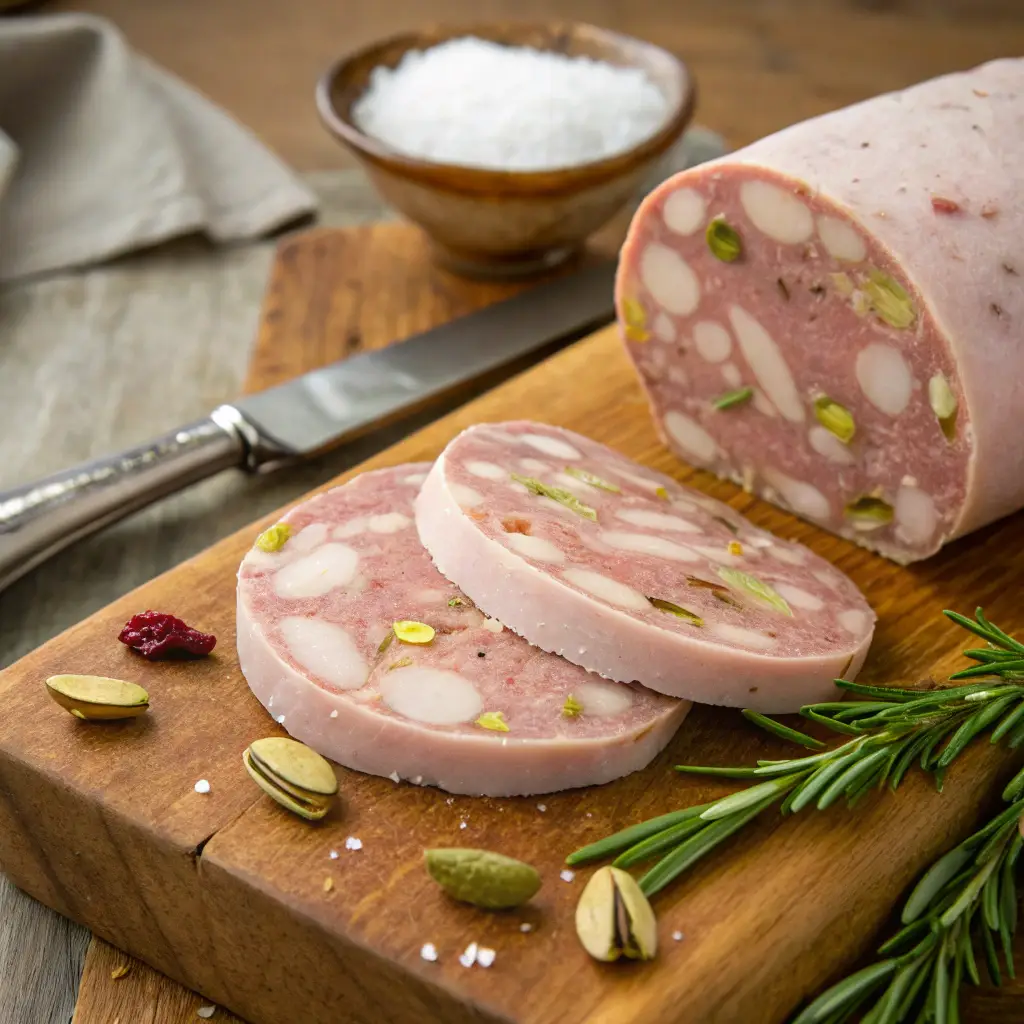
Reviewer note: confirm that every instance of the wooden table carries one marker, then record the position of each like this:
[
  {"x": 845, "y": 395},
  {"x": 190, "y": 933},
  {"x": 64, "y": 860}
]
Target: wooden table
[{"x": 760, "y": 64}]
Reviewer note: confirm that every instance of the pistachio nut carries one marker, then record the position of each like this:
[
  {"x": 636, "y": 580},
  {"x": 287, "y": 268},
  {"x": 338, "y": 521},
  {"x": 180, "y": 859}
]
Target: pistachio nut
[
  {"x": 835, "y": 418},
  {"x": 488, "y": 880},
  {"x": 755, "y": 588},
  {"x": 889, "y": 301},
  {"x": 723, "y": 240},
  {"x": 298, "y": 778},
  {"x": 634, "y": 320},
  {"x": 97, "y": 698},
  {"x": 614, "y": 919},
  {"x": 869, "y": 512},
  {"x": 944, "y": 405},
  {"x": 676, "y": 609}
]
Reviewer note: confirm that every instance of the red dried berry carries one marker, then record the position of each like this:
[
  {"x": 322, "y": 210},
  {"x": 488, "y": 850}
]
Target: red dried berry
[{"x": 159, "y": 635}]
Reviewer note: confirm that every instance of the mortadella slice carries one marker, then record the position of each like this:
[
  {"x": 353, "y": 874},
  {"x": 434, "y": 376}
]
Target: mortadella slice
[
  {"x": 474, "y": 709},
  {"x": 832, "y": 317},
  {"x": 631, "y": 575}
]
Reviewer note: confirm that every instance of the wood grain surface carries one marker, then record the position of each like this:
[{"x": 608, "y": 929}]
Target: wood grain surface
[{"x": 225, "y": 892}]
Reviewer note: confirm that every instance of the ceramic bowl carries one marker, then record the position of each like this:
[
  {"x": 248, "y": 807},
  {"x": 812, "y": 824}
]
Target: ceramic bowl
[{"x": 490, "y": 223}]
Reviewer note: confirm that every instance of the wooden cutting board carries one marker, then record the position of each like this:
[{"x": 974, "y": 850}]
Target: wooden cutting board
[{"x": 226, "y": 893}]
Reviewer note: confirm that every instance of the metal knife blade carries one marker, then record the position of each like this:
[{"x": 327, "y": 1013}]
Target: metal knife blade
[
  {"x": 300, "y": 418},
  {"x": 324, "y": 407}
]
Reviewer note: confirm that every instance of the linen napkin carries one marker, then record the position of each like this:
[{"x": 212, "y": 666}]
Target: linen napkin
[{"x": 102, "y": 153}]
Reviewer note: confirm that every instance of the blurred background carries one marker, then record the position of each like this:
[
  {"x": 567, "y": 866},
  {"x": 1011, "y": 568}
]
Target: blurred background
[{"x": 760, "y": 64}]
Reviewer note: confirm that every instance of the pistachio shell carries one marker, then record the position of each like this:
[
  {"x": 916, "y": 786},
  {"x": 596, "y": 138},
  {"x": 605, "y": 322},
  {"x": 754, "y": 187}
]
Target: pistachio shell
[
  {"x": 98, "y": 698},
  {"x": 295, "y": 764},
  {"x": 835, "y": 418},
  {"x": 312, "y": 809},
  {"x": 614, "y": 919},
  {"x": 488, "y": 880},
  {"x": 298, "y": 778},
  {"x": 723, "y": 241}
]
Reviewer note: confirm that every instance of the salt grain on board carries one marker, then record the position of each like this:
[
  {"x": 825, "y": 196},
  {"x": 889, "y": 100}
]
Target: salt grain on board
[
  {"x": 352, "y": 843},
  {"x": 485, "y": 957},
  {"x": 566, "y": 875},
  {"x": 202, "y": 786},
  {"x": 468, "y": 958},
  {"x": 428, "y": 951},
  {"x": 476, "y": 103}
]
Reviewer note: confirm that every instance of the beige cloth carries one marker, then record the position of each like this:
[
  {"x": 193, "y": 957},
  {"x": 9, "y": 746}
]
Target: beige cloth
[{"x": 102, "y": 153}]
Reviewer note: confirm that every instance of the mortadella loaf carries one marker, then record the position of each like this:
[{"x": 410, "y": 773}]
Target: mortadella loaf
[
  {"x": 627, "y": 573},
  {"x": 833, "y": 317}
]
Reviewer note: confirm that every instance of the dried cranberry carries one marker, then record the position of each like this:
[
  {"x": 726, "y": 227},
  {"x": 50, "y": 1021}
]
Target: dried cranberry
[{"x": 159, "y": 635}]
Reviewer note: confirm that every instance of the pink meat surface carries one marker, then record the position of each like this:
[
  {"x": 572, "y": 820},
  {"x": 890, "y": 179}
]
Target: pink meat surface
[
  {"x": 635, "y": 577},
  {"x": 317, "y": 647},
  {"x": 868, "y": 333}
]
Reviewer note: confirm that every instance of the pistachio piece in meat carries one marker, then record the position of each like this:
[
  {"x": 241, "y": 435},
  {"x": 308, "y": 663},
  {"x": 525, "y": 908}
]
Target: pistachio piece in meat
[
  {"x": 411, "y": 632},
  {"x": 755, "y": 588},
  {"x": 298, "y": 778},
  {"x": 98, "y": 698},
  {"x": 889, "y": 301},
  {"x": 488, "y": 880},
  {"x": 723, "y": 241},
  {"x": 730, "y": 399},
  {"x": 594, "y": 481},
  {"x": 572, "y": 708},
  {"x": 274, "y": 538},
  {"x": 869, "y": 512},
  {"x": 559, "y": 494},
  {"x": 494, "y": 721},
  {"x": 614, "y": 919},
  {"x": 944, "y": 404},
  {"x": 635, "y": 320},
  {"x": 676, "y": 609},
  {"x": 835, "y": 418}
]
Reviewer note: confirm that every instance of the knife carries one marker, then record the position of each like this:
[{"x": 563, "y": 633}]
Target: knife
[{"x": 301, "y": 418}]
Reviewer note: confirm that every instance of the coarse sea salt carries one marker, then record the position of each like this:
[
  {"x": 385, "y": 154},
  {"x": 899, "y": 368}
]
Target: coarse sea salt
[{"x": 479, "y": 104}]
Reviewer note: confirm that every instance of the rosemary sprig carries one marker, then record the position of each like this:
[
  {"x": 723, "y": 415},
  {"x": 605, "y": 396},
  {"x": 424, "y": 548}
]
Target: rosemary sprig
[
  {"x": 968, "y": 895},
  {"x": 887, "y": 728}
]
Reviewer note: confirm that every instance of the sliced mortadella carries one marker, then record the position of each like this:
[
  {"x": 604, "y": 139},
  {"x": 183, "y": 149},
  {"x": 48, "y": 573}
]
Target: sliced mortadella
[
  {"x": 849, "y": 317},
  {"x": 359, "y": 648},
  {"x": 632, "y": 576}
]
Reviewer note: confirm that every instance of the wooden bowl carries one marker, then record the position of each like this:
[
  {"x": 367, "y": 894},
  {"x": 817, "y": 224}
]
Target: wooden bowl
[{"x": 491, "y": 223}]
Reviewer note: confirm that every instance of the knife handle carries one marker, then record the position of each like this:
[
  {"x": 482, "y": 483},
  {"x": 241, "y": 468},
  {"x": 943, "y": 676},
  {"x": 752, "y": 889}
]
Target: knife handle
[{"x": 39, "y": 519}]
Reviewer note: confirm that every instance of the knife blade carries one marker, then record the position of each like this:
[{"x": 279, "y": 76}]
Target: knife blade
[{"x": 301, "y": 418}]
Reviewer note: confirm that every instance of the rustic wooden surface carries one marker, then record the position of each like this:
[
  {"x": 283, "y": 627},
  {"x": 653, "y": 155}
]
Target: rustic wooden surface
[{"x": 184, "y": 879}]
